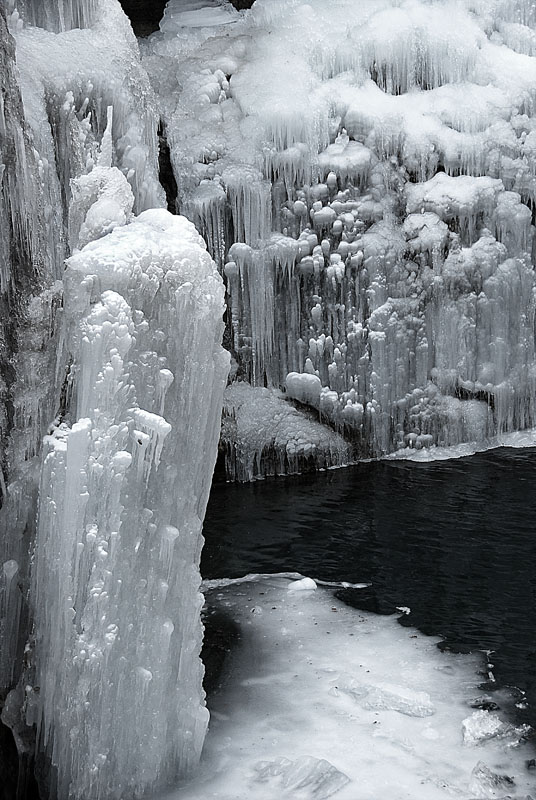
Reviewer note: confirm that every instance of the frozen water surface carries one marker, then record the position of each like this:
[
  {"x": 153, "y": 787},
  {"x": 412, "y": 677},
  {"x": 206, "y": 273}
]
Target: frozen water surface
[{"x": 320, "y": 700}]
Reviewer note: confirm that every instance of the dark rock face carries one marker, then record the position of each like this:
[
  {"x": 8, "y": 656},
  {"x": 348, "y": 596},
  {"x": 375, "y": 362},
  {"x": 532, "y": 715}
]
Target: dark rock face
[{"x": 144, "y": 14}]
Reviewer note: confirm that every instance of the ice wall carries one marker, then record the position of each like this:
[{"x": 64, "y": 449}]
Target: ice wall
[
  {"x": 53, "y": 115},
  {"x": 364, "y": 174}
]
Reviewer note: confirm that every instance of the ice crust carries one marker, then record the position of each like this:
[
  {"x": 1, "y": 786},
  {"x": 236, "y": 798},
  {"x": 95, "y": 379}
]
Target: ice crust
[
  {"x": 321, "y": 700},
  {"x": 364, "y": 176}
]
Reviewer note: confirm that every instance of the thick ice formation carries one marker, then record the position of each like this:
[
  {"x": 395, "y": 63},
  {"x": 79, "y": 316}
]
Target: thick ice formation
[
  {"x": 69, "y": 77},
  {"x": 263, "y": 434},
  {"x": 321, "y": 700},
  {"x": 124, "y": 484},
  {"x": 123, "y": 349},
  {"x": 364, "y": 173}
]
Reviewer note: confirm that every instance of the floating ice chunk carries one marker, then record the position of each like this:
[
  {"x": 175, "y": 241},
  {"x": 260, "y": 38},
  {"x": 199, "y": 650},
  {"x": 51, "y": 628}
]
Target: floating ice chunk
[
  {"x": 307, "y": 777},
  {"x": 488, "y": 784},
  {"x": 387, "y": 696},
  {"x": 483, "y": 725},
  {"x": 303, "y": 585}
]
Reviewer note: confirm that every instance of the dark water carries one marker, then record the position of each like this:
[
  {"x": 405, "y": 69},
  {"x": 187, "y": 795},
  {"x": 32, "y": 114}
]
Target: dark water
[{"x": 454, "y": 541}]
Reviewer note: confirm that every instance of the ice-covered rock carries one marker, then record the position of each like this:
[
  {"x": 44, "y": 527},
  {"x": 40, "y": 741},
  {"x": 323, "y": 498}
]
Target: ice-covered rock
[{"x": 264, "y": 434}]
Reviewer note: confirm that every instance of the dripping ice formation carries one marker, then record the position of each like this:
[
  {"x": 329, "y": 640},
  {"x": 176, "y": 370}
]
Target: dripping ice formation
[
  {"x": 364, "y": 175},
  {"x": 123, "y": 345}
]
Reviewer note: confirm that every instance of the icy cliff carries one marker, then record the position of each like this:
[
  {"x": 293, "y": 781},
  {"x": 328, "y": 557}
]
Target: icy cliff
[
  {"x": 364, "y": 175},
  {"x": 117, "y": 358}
]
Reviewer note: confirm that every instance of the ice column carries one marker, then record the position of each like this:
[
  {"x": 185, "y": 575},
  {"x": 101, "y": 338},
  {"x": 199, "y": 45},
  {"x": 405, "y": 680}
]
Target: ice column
[{"x": 125, "y": 479}]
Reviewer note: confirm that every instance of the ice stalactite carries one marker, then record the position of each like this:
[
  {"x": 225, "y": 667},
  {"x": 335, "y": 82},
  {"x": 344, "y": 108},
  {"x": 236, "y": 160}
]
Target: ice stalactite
[{"x": 392, "y": 259}]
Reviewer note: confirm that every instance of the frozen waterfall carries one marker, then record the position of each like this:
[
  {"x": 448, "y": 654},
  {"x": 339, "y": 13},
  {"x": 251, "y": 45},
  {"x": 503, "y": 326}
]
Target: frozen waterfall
[{"x": 364, "y": 174}]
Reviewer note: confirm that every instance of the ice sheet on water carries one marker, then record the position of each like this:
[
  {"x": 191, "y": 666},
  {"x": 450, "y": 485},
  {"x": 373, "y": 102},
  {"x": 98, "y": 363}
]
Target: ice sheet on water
[{"x": 282, "y": 712}]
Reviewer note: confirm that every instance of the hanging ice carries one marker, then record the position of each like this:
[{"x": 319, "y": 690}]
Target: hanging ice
[{"x": 393, "y": 258}]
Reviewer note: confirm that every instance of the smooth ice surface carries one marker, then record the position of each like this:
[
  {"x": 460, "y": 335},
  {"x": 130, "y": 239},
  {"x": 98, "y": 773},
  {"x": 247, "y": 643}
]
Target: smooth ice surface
[
  {"x": 364, "y": 175},
  {"x": 124, "y": 485},
  {"x": 321, "y": 700}
]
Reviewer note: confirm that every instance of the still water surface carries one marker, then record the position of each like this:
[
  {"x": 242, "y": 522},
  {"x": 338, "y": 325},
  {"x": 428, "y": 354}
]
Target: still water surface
[{"x": 453, "y": 540}]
